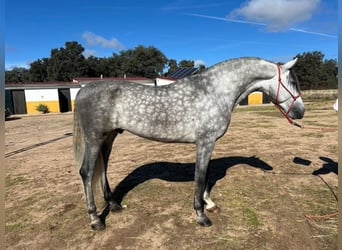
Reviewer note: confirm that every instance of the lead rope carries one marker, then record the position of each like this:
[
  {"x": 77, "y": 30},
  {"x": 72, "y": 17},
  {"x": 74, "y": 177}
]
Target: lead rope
[{"x": 292, "y": 122}]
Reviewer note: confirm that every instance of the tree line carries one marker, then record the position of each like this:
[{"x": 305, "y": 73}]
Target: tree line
[
  {"x": 315, "y": 72},
  {"x": 68, "y": 62}
]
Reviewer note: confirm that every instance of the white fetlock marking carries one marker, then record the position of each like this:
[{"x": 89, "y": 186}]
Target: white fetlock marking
[{"x": 209, "y": 203}]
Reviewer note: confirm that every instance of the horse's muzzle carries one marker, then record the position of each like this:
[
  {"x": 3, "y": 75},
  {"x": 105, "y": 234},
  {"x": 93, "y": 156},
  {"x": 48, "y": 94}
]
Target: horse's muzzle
[{"x": 297, "y": 112}]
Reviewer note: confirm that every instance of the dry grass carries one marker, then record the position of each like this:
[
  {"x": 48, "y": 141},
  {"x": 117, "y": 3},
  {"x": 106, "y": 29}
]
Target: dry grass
[{"x": 264, "y": 199}]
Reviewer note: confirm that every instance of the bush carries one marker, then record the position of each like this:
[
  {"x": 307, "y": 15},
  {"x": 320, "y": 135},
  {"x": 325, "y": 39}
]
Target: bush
[{"x": 42, "y": 108}]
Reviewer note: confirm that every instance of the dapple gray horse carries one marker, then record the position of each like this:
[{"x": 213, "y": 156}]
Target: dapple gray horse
[{"x": 196, "y": 109}]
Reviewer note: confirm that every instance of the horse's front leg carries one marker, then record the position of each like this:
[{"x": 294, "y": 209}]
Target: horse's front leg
[{"x": 204, "y": 150}]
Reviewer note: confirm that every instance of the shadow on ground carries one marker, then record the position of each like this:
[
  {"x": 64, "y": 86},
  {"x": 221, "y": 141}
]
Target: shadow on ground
[
  {"x": 180, "y": 172},
  {"x": 329, "y": 166}
]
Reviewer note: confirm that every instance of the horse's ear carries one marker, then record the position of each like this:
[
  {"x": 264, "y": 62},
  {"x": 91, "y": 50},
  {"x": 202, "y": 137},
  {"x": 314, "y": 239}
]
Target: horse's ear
[{"x": 290, "y": 64}]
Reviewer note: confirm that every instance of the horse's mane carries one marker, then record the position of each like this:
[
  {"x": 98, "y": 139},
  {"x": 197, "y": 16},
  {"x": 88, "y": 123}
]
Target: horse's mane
[
  {"x": 232, "y": 60},
  {"x": 223, "y": 63}
]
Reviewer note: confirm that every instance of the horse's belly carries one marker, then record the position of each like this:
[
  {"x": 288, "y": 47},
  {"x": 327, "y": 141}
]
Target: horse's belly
[{"x": 162, "y": 132}]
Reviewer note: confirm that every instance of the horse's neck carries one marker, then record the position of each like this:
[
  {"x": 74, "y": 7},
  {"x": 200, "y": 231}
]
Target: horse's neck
[{"x": 241, "y": 77}]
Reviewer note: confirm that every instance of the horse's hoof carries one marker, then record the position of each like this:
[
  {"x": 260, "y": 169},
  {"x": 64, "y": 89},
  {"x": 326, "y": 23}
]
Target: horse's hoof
[
  {"x": 98, "y": 226},
  {"x": 214, "y": 209},
  {"x": 115, "y": 208},
  {"x": 205, "y": 222}
]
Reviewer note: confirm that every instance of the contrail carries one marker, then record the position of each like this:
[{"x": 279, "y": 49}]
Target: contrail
[
  {"x": 224, "y": 19},
  {"x": 256, "y": 23},
  {"x": 313, "y": 33}
]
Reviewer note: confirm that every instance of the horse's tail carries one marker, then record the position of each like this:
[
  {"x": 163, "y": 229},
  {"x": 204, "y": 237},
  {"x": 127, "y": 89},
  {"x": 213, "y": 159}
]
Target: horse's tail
[
  {"x": 79, "y": 151},
  {"x": 78, "y": 141}
]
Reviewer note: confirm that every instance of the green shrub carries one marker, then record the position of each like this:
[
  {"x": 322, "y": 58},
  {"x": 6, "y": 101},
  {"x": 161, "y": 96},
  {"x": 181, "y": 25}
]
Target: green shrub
[{"x": 42, "y": 108}]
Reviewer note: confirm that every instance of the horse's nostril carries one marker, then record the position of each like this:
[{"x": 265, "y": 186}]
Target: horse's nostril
[{"x": 297, "y": 113}]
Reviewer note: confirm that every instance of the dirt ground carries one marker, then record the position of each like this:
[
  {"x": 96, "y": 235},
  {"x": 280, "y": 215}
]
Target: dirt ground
[{"x": 268, "y": 177}]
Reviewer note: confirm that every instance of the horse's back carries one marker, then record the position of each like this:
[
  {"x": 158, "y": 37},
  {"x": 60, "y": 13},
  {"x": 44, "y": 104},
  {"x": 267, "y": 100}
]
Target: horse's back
[{"x": 153, "y": 112}]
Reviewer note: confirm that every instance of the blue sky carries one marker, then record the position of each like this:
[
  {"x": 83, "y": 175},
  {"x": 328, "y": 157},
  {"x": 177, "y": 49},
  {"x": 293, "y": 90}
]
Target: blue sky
[{"x": 207, "y": 31}]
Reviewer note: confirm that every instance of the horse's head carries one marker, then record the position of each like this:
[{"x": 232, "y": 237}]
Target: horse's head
[{"x": 286, "y": 93}]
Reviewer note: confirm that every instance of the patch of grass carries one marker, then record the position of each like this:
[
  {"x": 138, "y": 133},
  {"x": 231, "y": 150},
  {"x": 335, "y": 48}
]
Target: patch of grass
[
  {"x": 226, "y": 242},
  {"x": 333, "y": 148},
  {"x": 29, "y": 201},
  {"x": 146, "y": 193},
  {"x": 254, "y": 108},
  {"x": 251, "y": 217},
  {"x": 313, "y": 134},
  {"x": 14, "y": 227},
  {"x": 322, "y": 201},
  {"x": 11, "y": 181},
  {"x": 267, "y": 136},
  {"x": 318, "y": 124},
  {"x": 315, "y": 208},
  {"x": 256, "y": 124}
]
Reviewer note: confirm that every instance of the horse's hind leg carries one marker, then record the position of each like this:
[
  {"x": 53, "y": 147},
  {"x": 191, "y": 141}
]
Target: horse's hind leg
[
  {"x": 91, "y": 155},
  {"x": 106, "y": 150}
]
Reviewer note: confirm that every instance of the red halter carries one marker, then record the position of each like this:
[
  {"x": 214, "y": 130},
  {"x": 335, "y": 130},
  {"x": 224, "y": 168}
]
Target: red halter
[{"x": 294, "y": 98}]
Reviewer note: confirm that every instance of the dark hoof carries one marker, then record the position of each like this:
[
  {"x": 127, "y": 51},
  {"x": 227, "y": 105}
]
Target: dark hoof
[
  {"x": 99, "y": 226},
  {"x": 115, "y": 208},
  {"x": 205, "y": 222},
  {"x": 214, "y": 210}
]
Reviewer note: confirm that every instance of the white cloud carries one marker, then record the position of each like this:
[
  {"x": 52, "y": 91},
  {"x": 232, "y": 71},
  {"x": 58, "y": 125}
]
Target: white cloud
[
  {"x": 12, "y": 65},
  {"x": 89, "y": 52},
  {"x": 95, "y": 40},
  {"x": 276, "y": 14},
  {"x": 199, "y": 62}
]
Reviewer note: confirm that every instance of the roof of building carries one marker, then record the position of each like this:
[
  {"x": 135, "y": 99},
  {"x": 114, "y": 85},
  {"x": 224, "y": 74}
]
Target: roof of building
[
  {"x": 182, "y": 72},
  {"x": 44, "y": 85},
  {"x": 76, "y": 82},
  {"x": 167, "y": 78},
  {"x": 87, "y": 79}
]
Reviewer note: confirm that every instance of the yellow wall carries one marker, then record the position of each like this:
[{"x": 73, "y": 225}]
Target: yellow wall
[
  {"x": 255, "y": 98},
  {"x": 72, "y": 105},
  {"x": 52, "y": 105}
]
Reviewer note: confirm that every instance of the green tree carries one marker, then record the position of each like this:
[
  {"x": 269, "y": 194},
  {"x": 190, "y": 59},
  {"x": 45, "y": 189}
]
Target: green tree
[
  {"x": 116, "y": 64},
  {"x": 96, "y": 66},
  {"x": 315, "y": 73},
  {"x": 142, "y": 61},
  {"x": 17, "y": 74},
  {"x": 39, "y": 70},
  {"x": 186, "y": 63},
  {"x": 67, "y": 63},
  {"x": 201, "y": 68},
  {"x": 329, "y": 73},
  {"x": 172, "y": 66}
]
